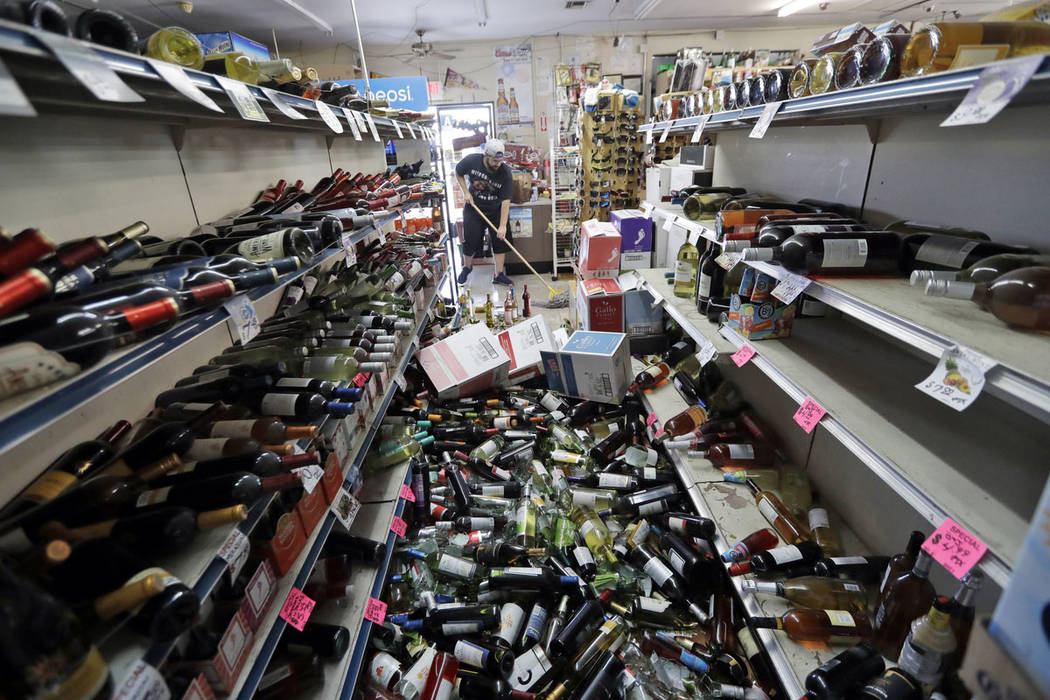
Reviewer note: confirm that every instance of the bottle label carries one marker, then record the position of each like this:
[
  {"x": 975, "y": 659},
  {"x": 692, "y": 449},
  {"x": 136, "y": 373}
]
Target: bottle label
[
  {"x": 470, "y": 654},
  {"x": 683, "y": 272},
  {"x": 320, "y": 363},
  {"x": 583, "y": 556},
  {"x": 297, "y": 382},
  {"x": 566, "y": 456},
  {"x": 152, "y": 497},
  {"x": 843, "y": 561},
  {"x": 492, "y": 490},
  {"x": 840, "y": 618},
  {"x": 657, "y": 506},
  {"x": 278, "y": 404},
  {"x": 584, "y": 498},
  {"x": 482, "y": 523},
  {"x": 268, "y": 247},
  {"x": 808, "y": 229},
  {"x": 677, "y": 525},
  {"x": 851, "y": 587},
  {"x": 649, "y": 473},
  {"x": 534, "y": 571},
  {"x": 503, "y": 423},
  {"x": 741, "y": 451},
  {"x": 705, "y": 285},
  {"x": 550, "y": 402},
  {"x": 653, "y": 605},
  {"x": 231, "y": 428},
  {"x": 768, "y": 510},
  {"x": 946, "y": 251},
  {"x": 206, "y": 448},
  {"x": 845, "y": 252},
  {"x": 785, "y": 555},
  {"x": 48, "y": 486},
  {"x": 924, "y": 664},
  {"x": 818, "y": 517},
  {"x": 454, "y": 629},
  {"x": 657, "y": 571},
  {"x": 279, "y": 674},
  {"x": 511, "y": 616},
  {"x": 445, "y": 686},
  {"x": 456, "y": 567},
  {"x": 383, "y": 668},
  {"x": 677, "y": 562},
  {"x": 25, "y": 366},
  {"x": 607, "y": 480},
  {"x": 537, "y": 619},
  {"x": 641, "y": 533}
]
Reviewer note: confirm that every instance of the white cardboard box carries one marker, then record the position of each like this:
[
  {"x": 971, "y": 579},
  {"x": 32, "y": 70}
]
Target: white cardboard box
[
  {"x": 465, "y": 363},
  {"x": 523, "y": 342},
  {"x": 593, "y": 365}
]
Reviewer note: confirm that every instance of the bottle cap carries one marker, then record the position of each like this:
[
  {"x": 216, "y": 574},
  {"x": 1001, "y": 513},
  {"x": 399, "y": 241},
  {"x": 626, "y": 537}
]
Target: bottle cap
[
  {"x": 303, "y": 432},
  {"x": 211, "y": 519},
  {"x": 951, "y": 289},
  {"x": 340, "y": 408},
  {"x": 757, "y": 253},
  {"x": 128, "y": 597},
  {"x": 920, "y": 277},
  {"x": 740, "y": 568},
  {"x": 737, "y": 246},
  {"x": 293, "y": 461}
]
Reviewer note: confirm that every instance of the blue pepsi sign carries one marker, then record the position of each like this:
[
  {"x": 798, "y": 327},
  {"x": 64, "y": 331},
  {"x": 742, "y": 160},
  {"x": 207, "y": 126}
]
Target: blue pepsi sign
[{"x": 409, "y": 92}]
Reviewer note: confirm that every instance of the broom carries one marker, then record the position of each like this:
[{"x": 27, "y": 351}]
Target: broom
[{"x": 558, "y": 299}]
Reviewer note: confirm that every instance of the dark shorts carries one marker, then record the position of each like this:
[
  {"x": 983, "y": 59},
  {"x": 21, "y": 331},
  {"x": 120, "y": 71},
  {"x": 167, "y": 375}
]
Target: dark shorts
[{"x": 474, "y": 228}]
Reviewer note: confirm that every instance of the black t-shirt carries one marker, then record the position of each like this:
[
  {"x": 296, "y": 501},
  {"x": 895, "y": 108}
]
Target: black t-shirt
[{"x": 488, "y": 188}]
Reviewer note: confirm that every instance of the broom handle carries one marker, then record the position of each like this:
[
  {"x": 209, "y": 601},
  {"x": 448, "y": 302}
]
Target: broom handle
[{"x": 511, "y": 246}]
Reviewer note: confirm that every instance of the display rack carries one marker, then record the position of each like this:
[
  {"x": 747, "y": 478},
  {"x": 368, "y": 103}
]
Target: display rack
[{"x": 565, "y": 206}]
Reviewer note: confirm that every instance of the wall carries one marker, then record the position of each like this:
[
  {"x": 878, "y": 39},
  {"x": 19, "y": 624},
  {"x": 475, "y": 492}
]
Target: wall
[{"x": 475, "y": 61}]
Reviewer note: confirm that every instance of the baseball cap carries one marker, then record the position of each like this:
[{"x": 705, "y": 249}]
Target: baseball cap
[{"x": 494, "y": 148}]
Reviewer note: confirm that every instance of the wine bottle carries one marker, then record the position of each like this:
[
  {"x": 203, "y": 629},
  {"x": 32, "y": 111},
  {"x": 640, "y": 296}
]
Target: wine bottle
[
  {"x": 963, "y": 613},
  {"x": 984, "y": 270},
  {"x": 1017, "y": 298},
  {"x": 814, "y": 592},
  {"x": 688, "y": 525},
  {"x": 845, "y": 673},
  {"x": 329, "y": 642},
  {"x": 212, "y": 493},
  {"x": 934, "y": 46},
  {"x": 866, "y": 569},
  {"x": 941, "y": 252},
  {"x": 929, "y": 646},
  {"x": 905, "y": 598},
  {"x": 24, "y": 249},
  {"x": 900, "y": 563},
  {"x": 828, "y": 626},
  {"x": 688, "y": 260},
  {"x": 758, "y": 541},
  {"x": 882, "y": 58},
  {"x": 664, "y": 578},
  {"x": 862, "y": 252},
  {"x": 779, "y": 559}
]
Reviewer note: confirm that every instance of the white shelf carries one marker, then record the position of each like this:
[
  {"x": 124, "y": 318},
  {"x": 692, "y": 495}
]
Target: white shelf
[
  {"x": 733, "y": 509},
  {"x": 899, "y": 436}
]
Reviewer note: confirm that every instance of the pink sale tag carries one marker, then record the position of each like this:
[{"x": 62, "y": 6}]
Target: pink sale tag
[
  {"x": 741, "y": 356},
  {"x": 297, "y": 608},
  {"x": 809, "y": 414},
  {"x": 650, "y": 419},
  {"x": 954, "y": 548},
  {"x": 398, "y": 526},
  {"x": 375, "y": 611},
  {"x": 407, "y": 493}
]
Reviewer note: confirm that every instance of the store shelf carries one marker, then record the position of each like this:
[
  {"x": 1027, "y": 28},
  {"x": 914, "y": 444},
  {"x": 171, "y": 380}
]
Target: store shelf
[
  {"x": 932, "y": 325},
  {"x": 939, "y": 92},
  {"x": 50, "y": 87},
  {"x": 902, "y": 437},
  {"x": 733, "y": 509},
  {"x": 378, "y": 487},
  {"x": 661, "y": 211}
]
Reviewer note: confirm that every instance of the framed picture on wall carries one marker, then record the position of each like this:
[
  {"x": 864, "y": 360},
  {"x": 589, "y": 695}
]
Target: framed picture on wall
[{"x": 632, "y": 82}]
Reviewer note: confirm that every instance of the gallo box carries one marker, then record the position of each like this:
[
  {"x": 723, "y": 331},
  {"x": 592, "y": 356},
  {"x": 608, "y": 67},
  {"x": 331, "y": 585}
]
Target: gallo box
[
  {"x": 225, "y": 42},
  {"x": 592, "y": 365},
  {"x": 465, "y": 363},
  {"x": 599, "y": 249},
  {"x": 259, "y": 594},
  {"x": 523, "y": 342},
  {"x": 599, "y": 305},
  {"x": 225, "y": 668}
]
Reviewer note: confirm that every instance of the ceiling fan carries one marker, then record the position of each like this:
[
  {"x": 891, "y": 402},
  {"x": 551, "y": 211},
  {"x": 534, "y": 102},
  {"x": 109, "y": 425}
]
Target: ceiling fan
[{"x": 423, "y": 49}]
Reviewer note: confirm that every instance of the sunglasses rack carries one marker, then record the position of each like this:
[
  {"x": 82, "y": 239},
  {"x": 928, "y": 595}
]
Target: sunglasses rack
[{"x": 611, "y": 157}]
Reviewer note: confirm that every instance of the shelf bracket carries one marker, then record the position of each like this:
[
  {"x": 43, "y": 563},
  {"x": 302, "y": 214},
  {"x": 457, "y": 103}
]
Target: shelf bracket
[
  {"x": 874, "y": 126},
  {"x": 178, "y": 136}
]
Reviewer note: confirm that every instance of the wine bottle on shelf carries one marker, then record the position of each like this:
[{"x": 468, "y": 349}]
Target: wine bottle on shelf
[
  {"x": 865, "y": 569},
  {"x": 904, "y": 599},
  {"x": 934, "y": 46},
  {"x": 758, "y": 541},
  {"x": 814, "y": 592},
  {"x": 845, "y": 673},
  {"x": 931, "y": 251},
  {"x": 688, "y": 260},
  {"x": 900, "y": 563},
  {"x": 780, "y": 516},
  {"x": 929, "y": 646},
  {"x": 984, "y": 270},
  {"x": 94, "y": 271},
  {"x": 779, "y": 559},
  {"x": 828, "y": 626},
  {"x": 862, "y": 252},
  {"x": 24, "y": 249},
  {"x": 1018, "y": 298}
]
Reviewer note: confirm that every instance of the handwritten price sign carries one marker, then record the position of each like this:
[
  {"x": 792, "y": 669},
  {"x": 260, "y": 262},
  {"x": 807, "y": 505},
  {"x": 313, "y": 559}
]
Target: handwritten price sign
[
  {"x": 398, "y": 526},
  {"x": 809, "y": 414},
  {"x": 297, "y": 608},
  {"x": 407, "y": 493},
  {"x": 375, "y": 611},
  {"x": 741, "y": 356},
  {"x": 954, "y": 548}
]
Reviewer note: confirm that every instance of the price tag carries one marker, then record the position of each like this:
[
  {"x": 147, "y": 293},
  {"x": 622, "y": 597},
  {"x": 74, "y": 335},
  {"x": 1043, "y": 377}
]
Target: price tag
[
  {"x": 741, "y": 356},
  {"x": 297, "y": 608},
  {"x": 350, "y": 249},
  {"x": 311, "y": 475},
  {"x": 375, "y": 611},
  {"x": 411, "y": 131},
  {"x": 648, "y": 136},
  {"x": 647, "y": 207},
  {"x": 371, "y": 125},
  {"x": 176, "y": 77},
  {"x": 345, "y": 507},
  {"x": 354, "y": 129},
  {"x": 328, "y": 116},
  {"x": 998, "y": 83},
  {"x": 88, "y": 67},
  {"x": 766, "y": 118},
  {"x": 397, "y": 128},
  {"x": 242, "y": 315},
  {"x": 407, "y": 493},
  {"x": 143, "y": 682},
  {"x": 234, "y": 551},
  {"x": 398, "y": 526},
  {"x": 958, "y": 378},
  {"x": 668, "y": 222},
  {"x": 658, "y": 298},
  {"x": 954, "y": 548},
  {"x": 242, "y": 98},
  {"x": 790, "y": 286},
  {"x": 692, "y": 235},
  {"x": 650, "y": 419},
  {"x": 727, "y": 261},
  {"x": 278, "y": 100},
  {"x": 809, "y": 414},
  {"x": 706, "y": 354},
  {"x": 529, "y": 667},
  {"x": 13, "y": 101},
  {"x": 695, "y": 138},
  {"x": 666, "y": 131}
]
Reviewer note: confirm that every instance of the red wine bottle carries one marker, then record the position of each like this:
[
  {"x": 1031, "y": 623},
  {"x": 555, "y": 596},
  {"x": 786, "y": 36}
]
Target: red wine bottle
[{"x": 23, "y": 250}]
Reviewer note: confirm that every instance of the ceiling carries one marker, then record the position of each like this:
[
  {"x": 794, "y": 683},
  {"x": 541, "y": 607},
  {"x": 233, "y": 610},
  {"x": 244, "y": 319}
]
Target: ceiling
[{"x": 391, "y": 23}]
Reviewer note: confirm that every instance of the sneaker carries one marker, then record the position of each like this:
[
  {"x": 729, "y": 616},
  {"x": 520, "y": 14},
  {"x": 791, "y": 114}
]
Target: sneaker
[
  {"x": 502, "y": 278},
  {"x": 464, "y": 275}
]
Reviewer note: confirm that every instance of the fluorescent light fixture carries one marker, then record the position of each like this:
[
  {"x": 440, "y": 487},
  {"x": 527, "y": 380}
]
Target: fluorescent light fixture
[
  {"x": 646, "y": 8},
  {"x": 481, "y": 12},
  {"x": 794, "y": 6},
  {"x": 314, "y": 19}
]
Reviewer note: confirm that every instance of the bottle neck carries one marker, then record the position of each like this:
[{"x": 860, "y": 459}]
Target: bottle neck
[{"x": 922, "y": 565}]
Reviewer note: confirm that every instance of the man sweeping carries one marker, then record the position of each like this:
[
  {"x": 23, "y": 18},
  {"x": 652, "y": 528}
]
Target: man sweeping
[{"x": 486, "y": 182}]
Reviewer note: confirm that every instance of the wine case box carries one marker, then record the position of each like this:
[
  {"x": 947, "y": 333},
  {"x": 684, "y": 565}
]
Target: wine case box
[
  {"x": 990, "y": 673},
  {"x": 284, "y": 548},
  {"x": 465, "y": 363},
  {"x": 635, "y": 228},
  {"x": 591, "y": 365},
  {"x": 199, "y": 689},
  {"x": 599, "y": 247},
  {"x": 523, "y": 342},
  {"x": 225, "y": 42},
  {"x": 311, "y": 508},
  {"x": 761, "y": 320},
  {"x": 599, "y": 305},
  {"x": 332, "y": 479},
  {"x": 259, "y": 594},
  {"x": 235, "y": 645}
]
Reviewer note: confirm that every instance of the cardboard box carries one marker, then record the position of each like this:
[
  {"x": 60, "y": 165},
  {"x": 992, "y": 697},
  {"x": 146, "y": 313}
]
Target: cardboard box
[
  {"x": 311, "y": 508},
  {"x": 641, "y": 315},
  {"x": 284, "y": 548},
  {"x": 592, "y": 365},
  {"x": 991, "y": 674},
  {"x": 1020, "y": 620},
  {"x": 761, "y": 320},
  {"x": 465, "y": 363},
  {"x": 523, "y": 342},
  {"x": 199, "y": 689},
  {"x": 599, "y": 305},
  {"x": 599, "y": 247},
  {"x": 259, "y": 594},
  {"x": 234, "y": 646},
  {"x": 225, "y": 42},
  {"x": 332, "y": 479},
  {"x": 635, "y": 228}
]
